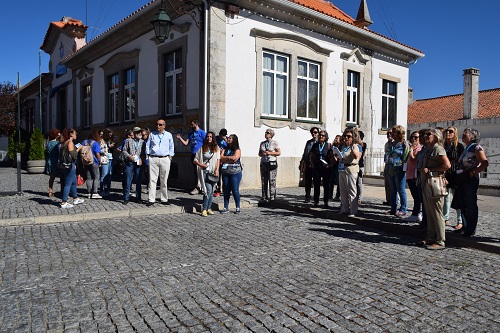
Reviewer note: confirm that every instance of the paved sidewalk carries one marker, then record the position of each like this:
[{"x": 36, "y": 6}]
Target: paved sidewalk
[{"x": 35, "y": 207}]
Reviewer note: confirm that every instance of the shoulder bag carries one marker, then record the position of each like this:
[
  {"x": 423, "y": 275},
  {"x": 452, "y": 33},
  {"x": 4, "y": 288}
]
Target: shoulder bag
[
  {"x": 65, "y": 160},
  {"x": 211, "y": 177}
]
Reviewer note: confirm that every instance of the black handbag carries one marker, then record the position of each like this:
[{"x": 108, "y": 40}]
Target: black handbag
[{"x": 272, "y": 165}]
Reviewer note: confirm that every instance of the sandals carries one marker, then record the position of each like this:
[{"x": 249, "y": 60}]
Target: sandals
[
  {"x": 458, "y": 226},
  {"x": 51, "y": 194}
]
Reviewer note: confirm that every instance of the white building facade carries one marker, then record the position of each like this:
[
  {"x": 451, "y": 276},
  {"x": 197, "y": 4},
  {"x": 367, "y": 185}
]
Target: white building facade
[{"x": 244, "y": 66}]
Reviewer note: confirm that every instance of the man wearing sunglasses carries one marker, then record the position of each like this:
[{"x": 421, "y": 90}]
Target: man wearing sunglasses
[
  {"x": 305, "y": 163},
  {"x": 160, "y": 150}
]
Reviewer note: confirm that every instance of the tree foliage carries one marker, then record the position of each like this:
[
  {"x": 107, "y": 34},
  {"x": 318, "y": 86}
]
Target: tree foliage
[
  {"x": 37, "y": 147},
  {"x": 8, "y": 108}
]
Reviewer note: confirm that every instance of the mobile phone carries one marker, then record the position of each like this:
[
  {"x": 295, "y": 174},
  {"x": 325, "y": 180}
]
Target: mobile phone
[{"x": 78, "y": 145}]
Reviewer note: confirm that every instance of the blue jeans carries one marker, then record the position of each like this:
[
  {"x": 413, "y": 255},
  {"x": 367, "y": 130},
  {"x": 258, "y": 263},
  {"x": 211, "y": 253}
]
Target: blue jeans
[
  {"x": 231, "y": 183},
  {"x": 105, "y": 180},
  {"x": 397, "y": 185},
  {"x": 209, "y": 192},
  {"x": 69, "y": 183},
  {"x": 467, "y": 193},
  {"x": 132, "y": 171}
]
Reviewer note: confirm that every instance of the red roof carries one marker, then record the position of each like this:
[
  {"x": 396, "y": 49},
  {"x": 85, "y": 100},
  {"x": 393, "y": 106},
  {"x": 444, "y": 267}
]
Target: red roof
[
  {"x": 325, "y": 7},
  {"x": 448, "y": 108}
]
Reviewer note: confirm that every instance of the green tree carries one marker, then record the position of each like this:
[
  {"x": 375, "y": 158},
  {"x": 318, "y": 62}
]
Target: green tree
[
  {"x": 8, "y": 108},
  {"x": 37, "y": 147}
]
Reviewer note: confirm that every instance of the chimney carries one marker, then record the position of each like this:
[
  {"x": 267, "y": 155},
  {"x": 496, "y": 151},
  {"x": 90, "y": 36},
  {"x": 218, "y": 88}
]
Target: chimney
[
  {"x": 471, "y": 92},
  {"x": 410, "y": 96}
]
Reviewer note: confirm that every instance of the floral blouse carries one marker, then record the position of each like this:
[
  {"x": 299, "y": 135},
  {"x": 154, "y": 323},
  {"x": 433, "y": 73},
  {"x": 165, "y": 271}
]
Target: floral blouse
[{"x": 468, "y": 159}]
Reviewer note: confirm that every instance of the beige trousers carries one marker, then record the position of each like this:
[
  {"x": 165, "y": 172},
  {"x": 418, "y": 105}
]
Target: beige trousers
[
  {"x": 348, "y": 193},
  {"x": 435, "y": 219},
  {"x": 158, "y": 167}
]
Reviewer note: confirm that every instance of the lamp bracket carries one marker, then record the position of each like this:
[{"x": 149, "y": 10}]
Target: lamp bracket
[{"x": 182, "y": 10}]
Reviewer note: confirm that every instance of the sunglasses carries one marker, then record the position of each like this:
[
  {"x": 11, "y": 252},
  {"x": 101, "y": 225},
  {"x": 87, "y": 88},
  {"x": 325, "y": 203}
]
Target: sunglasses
[
  {"x": 347, "y": 136},
  {"x": 428, "y": 134},
  {"x": 414, "y": 136},
  {"x": 268, "y": 132},
  {"x": 315, "y": 132},
  {"x": 322, "y": 135},
  {"x": 450, "y": 131},
  {"x": 160, "y": 124}
]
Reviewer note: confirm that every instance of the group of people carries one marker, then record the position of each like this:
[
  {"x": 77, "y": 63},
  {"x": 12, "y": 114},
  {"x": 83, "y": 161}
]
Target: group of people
[
  {"x": 434, "y": 152},
  {"x": 338, "y": 163},
  {"x": 143, "y": 155},
  {"x": 217, "y": 167}
]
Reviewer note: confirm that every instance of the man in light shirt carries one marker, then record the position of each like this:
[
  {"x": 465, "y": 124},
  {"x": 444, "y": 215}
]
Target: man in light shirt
[{"x": 160, "y": 150}]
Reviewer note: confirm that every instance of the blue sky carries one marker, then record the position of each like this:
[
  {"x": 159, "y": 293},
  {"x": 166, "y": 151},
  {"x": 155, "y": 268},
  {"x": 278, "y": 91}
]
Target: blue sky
[{"x": 454, "y": 35}]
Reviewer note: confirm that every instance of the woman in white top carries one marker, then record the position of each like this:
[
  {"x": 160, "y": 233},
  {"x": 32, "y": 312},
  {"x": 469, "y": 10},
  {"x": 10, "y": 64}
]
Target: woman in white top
[{"x": 207, "y": 159}]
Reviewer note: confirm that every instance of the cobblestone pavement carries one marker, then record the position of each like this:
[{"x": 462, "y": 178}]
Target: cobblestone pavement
[
  {"x": 265, "y": 270},
  {"x": 35, "y": 207}
]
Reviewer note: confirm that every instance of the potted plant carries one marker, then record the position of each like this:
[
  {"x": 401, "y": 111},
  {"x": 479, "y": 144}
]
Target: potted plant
[{"x": 36, "y": 157}]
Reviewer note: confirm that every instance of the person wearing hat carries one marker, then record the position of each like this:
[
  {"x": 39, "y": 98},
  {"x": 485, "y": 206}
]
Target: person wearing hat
[{"x": 134, "y": 155}]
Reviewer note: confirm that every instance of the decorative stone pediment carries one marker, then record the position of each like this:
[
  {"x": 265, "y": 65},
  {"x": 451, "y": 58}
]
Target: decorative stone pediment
[
  {"x": 355, "y": 56},
  {"x": 85, "y": 72}
]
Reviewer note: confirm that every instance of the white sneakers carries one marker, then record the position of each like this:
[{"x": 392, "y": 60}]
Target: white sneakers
[
  {"x": 76, "y": 201},
  {"x": 414, "y": 218},
  {"x": 95, "y": 196}
]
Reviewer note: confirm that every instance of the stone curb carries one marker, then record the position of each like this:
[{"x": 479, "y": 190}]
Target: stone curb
[{"x": 128, "y": 212}]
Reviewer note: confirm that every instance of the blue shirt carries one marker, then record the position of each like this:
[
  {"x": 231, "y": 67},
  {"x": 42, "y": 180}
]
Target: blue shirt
[
  {"x": 196, "y": 139},
  {"x": 221, "y": 143},
  {"x": 160, "y": 144}
]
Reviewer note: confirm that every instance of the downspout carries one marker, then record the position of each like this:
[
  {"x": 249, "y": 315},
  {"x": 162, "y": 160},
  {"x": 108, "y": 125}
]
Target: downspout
[{"x": 205, "y": 65}]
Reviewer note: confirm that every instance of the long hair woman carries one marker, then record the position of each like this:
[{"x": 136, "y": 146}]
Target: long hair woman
[
  {"x": 207, "y": 160},
  {"x": 454, "y": 149},
  {"x": 231, "y": 170},
  {"x": 69, "y": 174}
]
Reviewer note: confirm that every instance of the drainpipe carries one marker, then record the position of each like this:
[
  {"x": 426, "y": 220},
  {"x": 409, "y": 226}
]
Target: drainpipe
[{"x": 205, "y": 66}]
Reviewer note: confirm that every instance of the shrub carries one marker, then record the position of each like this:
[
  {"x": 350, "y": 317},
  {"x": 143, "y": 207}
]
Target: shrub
[
  {"x": 15, "y": 146},
  {"x": 37, "y": 149}
]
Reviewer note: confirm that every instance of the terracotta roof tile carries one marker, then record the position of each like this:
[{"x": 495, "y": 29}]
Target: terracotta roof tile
[
  {"x": 325, "y": 7},
  {"x": 448, "y": 108}
]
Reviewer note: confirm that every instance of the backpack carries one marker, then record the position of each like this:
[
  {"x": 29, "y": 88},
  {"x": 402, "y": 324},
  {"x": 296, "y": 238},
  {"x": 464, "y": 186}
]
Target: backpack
[{"x": 86, "y": 154}]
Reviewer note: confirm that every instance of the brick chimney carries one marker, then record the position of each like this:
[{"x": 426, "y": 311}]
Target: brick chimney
[{"x": 471, "y": 92}]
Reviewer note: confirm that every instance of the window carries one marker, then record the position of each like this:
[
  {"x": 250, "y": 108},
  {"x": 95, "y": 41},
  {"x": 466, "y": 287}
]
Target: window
[
  {"x": 129, "y": 95},
  {"x": 389, "y": 93},
  {"x": 173, "y": 82},
  {"x": 352, "y": 100},
  {"x": 307, "y": 90},
  {"x": 274, "y": 85},
  {"x": 86, "y": 106},
  {"x": 113, "y": 100}
]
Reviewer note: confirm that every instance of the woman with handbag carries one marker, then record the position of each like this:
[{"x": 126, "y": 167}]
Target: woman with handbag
[
  {"x": 471, "y": 163},
  {"x": 435, "y": 163},
  {"x": 207, "y": 159},
  {"x": 268, "y": 151},
  {"x": 67, "y": 156},
  {"x": 454, "y": 150},
  {"x": 231, "y": 170},
  {"x": 321, "y": 158},
  {"x": 348, "y": 166}
]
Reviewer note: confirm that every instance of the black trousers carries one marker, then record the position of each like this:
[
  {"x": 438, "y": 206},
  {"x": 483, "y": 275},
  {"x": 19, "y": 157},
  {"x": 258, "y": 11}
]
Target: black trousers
[{"x": 322, "y": 174}]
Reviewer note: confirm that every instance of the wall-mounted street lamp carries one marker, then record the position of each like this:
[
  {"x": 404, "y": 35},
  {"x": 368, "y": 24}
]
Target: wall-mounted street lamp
[{"x": 161, "y": 23}]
